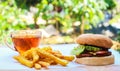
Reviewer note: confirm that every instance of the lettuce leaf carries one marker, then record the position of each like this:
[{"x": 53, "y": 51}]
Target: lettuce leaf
[
  {"x": 81, "y": 48},
  {"x": 78, "y": 50},
  {"x": 92, "y": 48}
]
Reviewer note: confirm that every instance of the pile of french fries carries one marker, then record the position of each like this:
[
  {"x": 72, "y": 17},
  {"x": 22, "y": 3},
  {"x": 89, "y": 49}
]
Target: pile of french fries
[{"x": 43, "y": 57}]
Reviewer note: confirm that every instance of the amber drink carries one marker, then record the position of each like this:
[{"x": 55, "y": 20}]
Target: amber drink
[{"x": 26, "y": 39}]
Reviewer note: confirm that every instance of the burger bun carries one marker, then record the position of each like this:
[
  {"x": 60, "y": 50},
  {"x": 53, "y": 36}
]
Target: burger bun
[
  {"x": 96, "y": 61},
  {"x": 94, "y": 40}
]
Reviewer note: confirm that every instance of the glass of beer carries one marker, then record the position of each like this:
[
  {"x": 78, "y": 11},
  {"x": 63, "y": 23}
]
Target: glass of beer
[{"x": 24, "y": 40}]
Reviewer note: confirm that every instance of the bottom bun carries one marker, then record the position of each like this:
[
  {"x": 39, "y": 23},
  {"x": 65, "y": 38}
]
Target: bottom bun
[{"x": 96, "y": 61}]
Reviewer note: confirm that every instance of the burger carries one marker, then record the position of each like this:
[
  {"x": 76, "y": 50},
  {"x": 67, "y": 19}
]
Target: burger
[{"x": 93, "y": 49}]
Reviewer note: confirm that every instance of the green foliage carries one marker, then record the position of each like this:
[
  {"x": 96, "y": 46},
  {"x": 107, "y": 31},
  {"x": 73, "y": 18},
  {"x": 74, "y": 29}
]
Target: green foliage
[
  {"x": 115, "y": 19},
  {"x": 118, "y": 37},
  {"x": 91, "y": 10},
  {"x": 26, "y": 3},
  {"x": 111, "y": 4},
  {"x": 66, "y": 12},
  {"x": 56, "y": 12},
  {"x": 10, "y": 18}
]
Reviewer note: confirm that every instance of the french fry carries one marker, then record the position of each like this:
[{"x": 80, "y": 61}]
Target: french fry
[
  {"x": 35, "y": 56},
  {"x": 37, "y": 66},
  {"x": 47, "y": 48},
  {"x": 42, "y": 57},
  {"x": 24, "y": 61},
  {"x": 48, "y": 60},
  {"x": 56, "y": 59},
  {"x": 69, "y": 58},
  {"x": 56, "y": 53},
  {"x": 59, "y": 54},
  {"x": 27, "y": 54},
  {"x": 44, "y": 64}
]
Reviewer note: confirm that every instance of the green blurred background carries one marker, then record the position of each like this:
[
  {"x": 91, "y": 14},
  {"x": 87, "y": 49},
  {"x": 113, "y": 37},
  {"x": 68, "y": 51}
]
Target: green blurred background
[{"x": 69, "y": 17}]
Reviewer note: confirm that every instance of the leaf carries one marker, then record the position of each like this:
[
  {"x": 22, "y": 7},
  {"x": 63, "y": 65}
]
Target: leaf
[
  {"x": 78, "y": 50},
  {"x": 87, "y": 26}
]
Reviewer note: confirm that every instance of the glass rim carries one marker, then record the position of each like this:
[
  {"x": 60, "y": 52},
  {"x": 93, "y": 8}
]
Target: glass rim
[{"x": 26, "y": 33}]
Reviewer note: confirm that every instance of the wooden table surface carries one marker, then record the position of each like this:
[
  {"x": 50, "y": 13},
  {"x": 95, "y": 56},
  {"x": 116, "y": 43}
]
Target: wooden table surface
[{"x": 7, "y": 63}]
